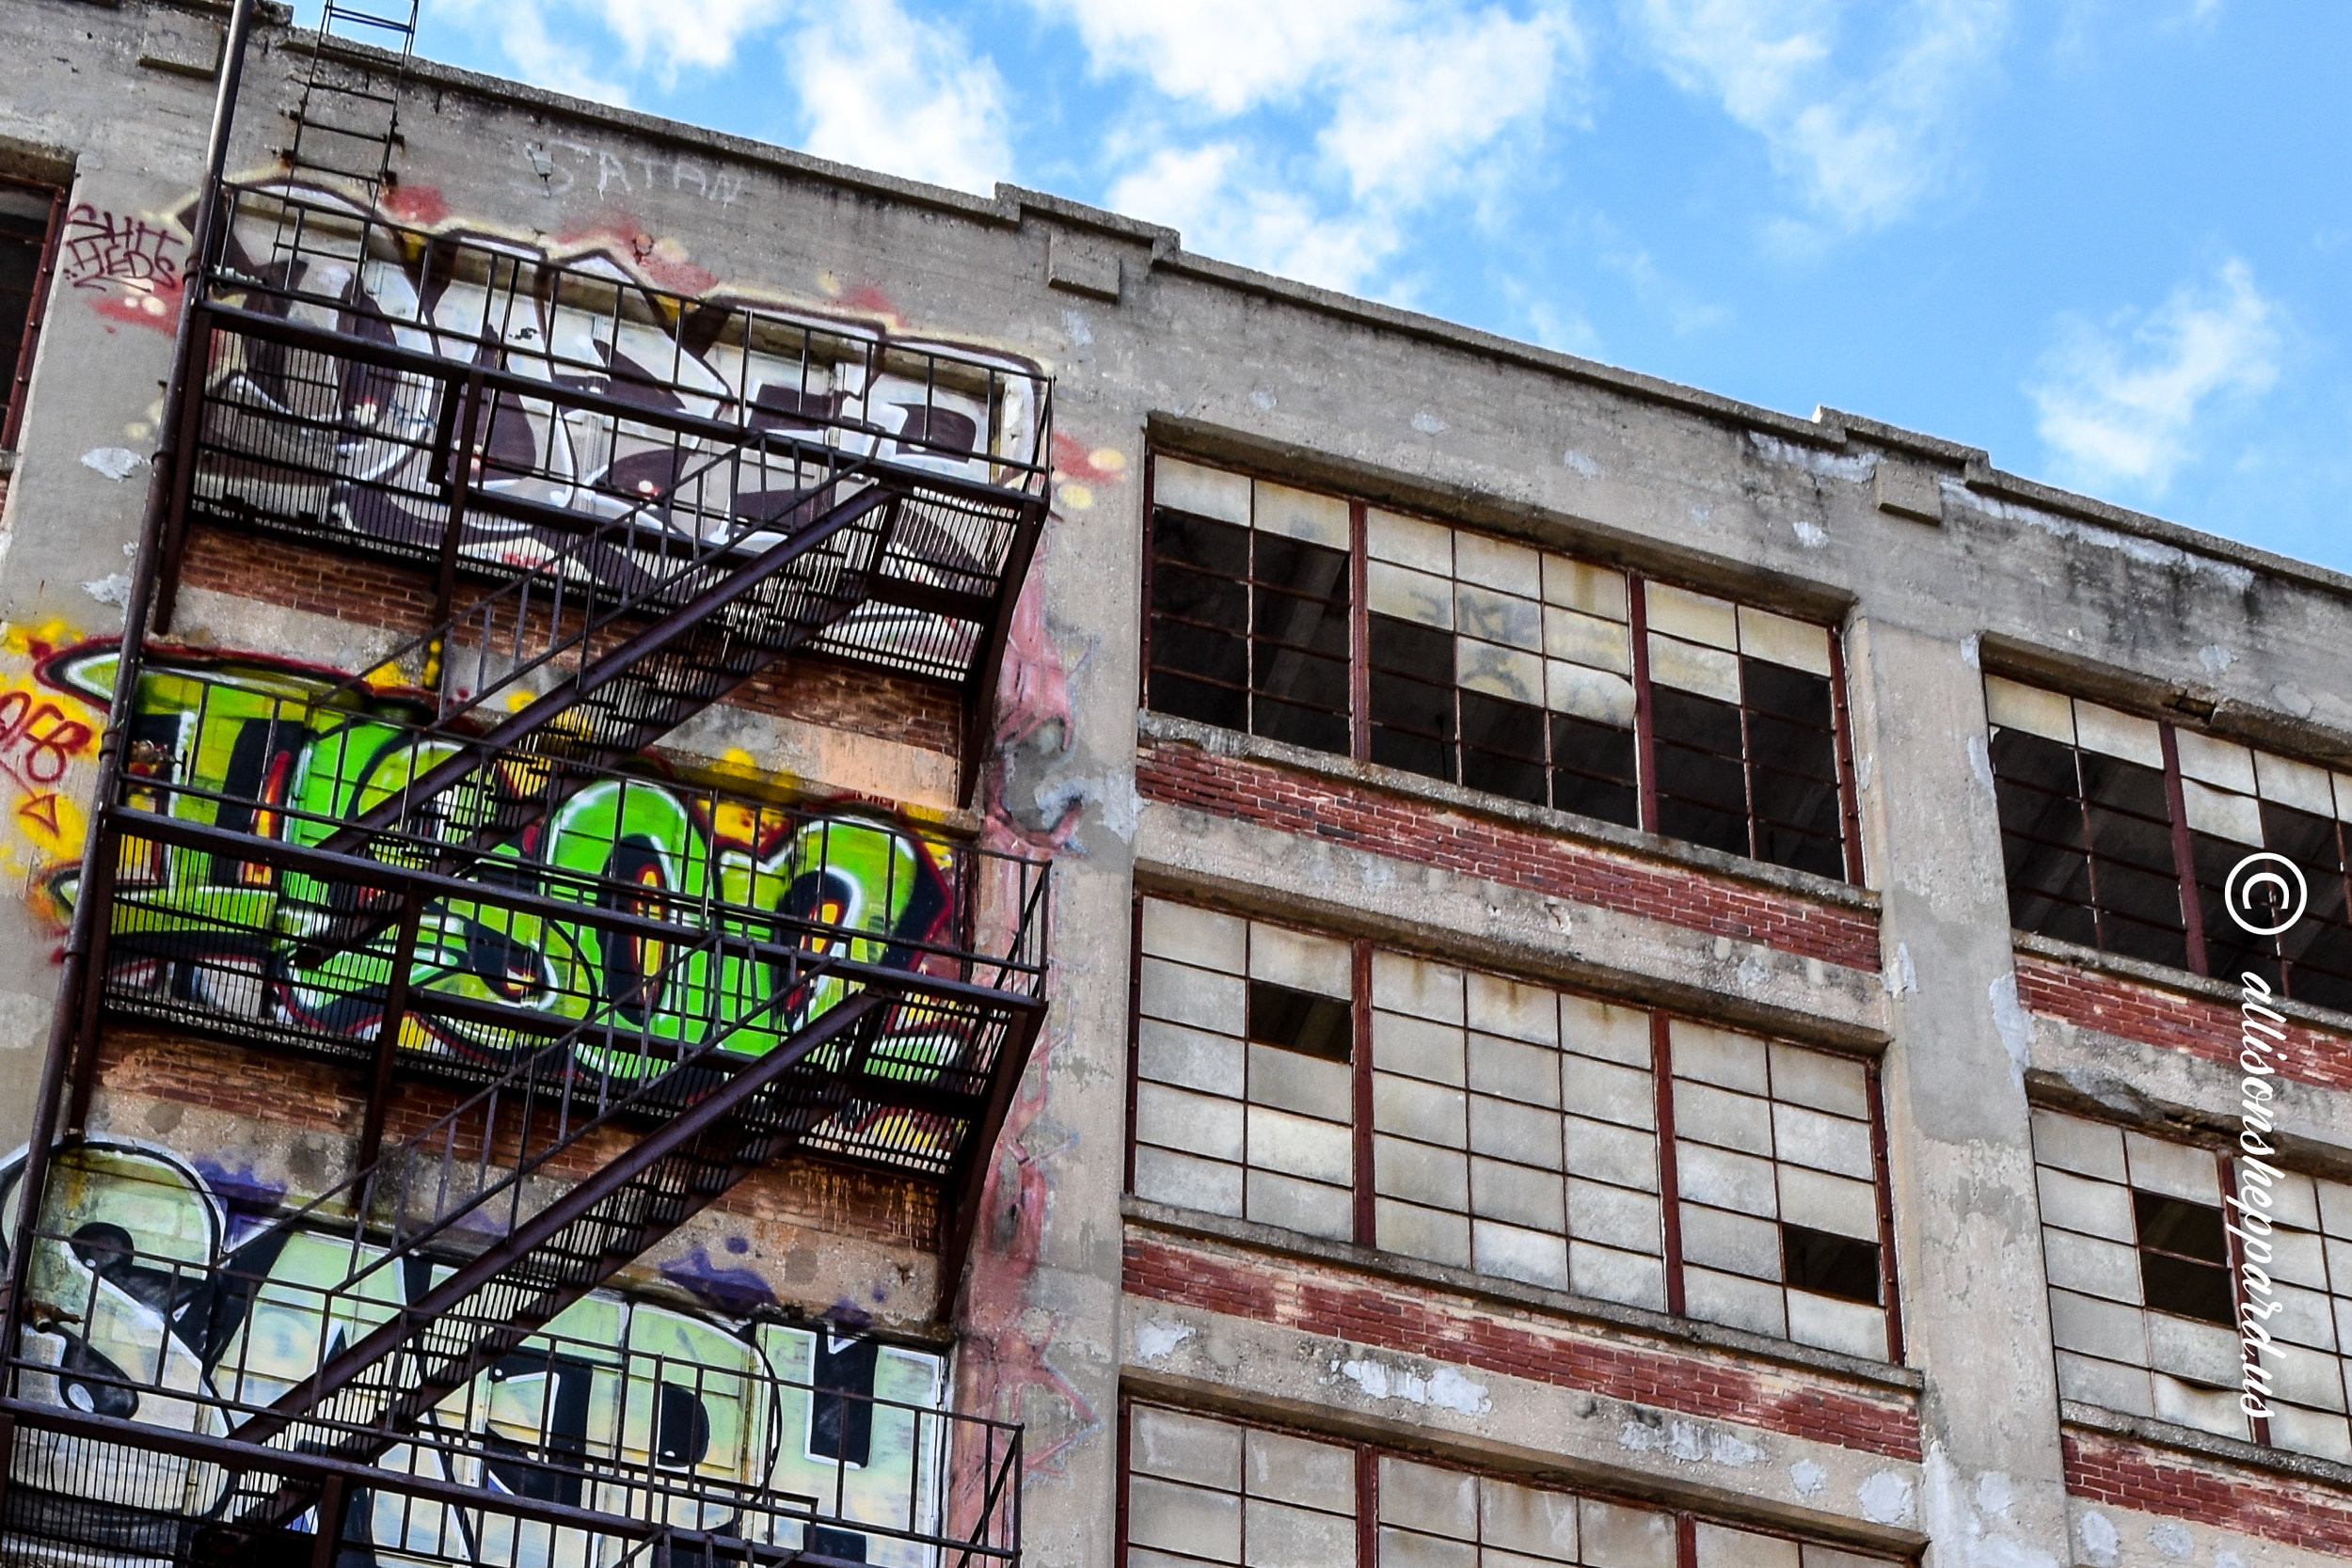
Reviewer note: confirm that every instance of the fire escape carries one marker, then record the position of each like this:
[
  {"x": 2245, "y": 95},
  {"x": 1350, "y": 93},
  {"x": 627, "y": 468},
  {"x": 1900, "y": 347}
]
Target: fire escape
[{"x": 446, "y": 877}]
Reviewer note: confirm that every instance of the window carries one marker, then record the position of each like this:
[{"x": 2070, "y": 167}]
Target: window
[
  {"x": 1776, "y": 1180},
  {"x": 1201, "y": 1489},
  {"x": 1347, "y": 628},
  {"x": 2118, "y": 833},
  {"x": 28, "y": 225},
  {"x": 1243, "y": 1092},
  {"x": 1487, "y": 1123},
  {"x": 2143, "y": 1298}
]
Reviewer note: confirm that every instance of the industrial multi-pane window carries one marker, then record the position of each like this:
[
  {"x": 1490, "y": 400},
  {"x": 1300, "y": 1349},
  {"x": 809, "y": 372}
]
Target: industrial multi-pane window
[
  {"x": 1203, "y": 1489},
  {"x": 1362, "y": 1095},
  {"x": 2143, "y": 1296},
  {"x": 28, "y": 220},
  {"x": 2119, "y": 832},
  {"x": 1343, "y": 627}
]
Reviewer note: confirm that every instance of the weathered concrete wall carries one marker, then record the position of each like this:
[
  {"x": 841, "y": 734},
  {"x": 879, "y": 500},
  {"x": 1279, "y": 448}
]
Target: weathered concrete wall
[{"x": 1934, "y": 563}]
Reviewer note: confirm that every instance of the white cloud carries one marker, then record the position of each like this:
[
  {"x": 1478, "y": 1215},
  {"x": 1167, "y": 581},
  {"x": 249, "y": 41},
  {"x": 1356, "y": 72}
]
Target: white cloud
[
  {"x": 1410, "y": 102},
  {"x": 1228, "y": 207},
  {"x": 1863, "y": 149},
  {"x": 544, "y": 38},
  {"x": 1227, "y": 56},
  {"x": 884, "y": 91},
  {"x": 2121, "y": 404}
]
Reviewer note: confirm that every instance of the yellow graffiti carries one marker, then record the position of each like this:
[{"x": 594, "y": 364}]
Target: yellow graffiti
[{"x": 44, "y": 735}]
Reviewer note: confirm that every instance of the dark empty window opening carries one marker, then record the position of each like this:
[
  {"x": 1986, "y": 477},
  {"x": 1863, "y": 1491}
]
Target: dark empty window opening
[
  {"x": 1300, "y": 1021},
  {"x": 1250, "y": 631},
  {"x": 2183, "y": 1257},
  {"x": 29, "y": 214},
  {"x": 2120, "y": 833},
  {"x": 841, "y": 1406},
  {"x": 1830, "y": 1265},
  {"x": 1497, "y": 666}
]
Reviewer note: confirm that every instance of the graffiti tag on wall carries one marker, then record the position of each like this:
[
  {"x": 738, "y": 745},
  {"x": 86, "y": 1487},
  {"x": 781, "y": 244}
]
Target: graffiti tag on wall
[
  {"x": 151, "y": 1297},
  {"x": 133, "y": 263}
]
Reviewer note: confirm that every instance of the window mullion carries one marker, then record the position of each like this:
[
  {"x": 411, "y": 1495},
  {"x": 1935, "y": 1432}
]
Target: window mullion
[
  {"x": 1367, "y": 1506},
  {"x": 2234, "y": 1246},
  {"x": 1873, "y": 1083},
  {"x": 1849, "y": 785},
  {"x": 1645, "y": 743},
  {"x": 2183, "y": 851},
  {"x": 1669, "y": 1185},
  {"x": 1361, "y": 962},
  {"x": 1359, "y": 635}
]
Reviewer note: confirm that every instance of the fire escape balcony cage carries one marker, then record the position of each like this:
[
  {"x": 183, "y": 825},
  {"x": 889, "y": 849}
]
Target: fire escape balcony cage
[{"x": 452, "y": 871}]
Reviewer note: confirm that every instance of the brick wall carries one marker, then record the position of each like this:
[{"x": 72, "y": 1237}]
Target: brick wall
[
  {"x": 292, "y": 1095},
  {"x": 2091, "y": 1000},
  {"x": 346, "y": 586},
  {"x": 1364, "y": 819},
  {"x": 1420, "y": 1321},
  {"x": 2109, "y": 1469}
]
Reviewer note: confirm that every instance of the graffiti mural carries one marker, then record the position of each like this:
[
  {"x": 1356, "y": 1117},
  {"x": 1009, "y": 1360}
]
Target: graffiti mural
[
  {"x": 287, "y": 751},
  {"x": 153, "y": 1297},
  {"x": 344, "y": 446},
  {"x": 45, "y": 736}
]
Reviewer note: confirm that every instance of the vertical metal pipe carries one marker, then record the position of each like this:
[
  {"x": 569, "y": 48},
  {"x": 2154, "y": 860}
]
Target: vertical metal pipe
[{"x": 123, "y": 705}]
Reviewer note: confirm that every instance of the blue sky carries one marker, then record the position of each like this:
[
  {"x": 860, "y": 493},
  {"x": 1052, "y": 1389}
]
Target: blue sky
[{"x": 2107, "y": 240}]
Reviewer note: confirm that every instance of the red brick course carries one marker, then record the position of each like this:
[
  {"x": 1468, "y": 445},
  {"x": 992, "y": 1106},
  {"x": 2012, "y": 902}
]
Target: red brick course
[
  {"x": 1420, "y": 1321},
  {"x": 1183, "y": 775},
  {"x": 292, "y": 1095},
  {"x": 2126, "y": 1474},
  {"x": 346, "y": 586},
  {"x": 2091, "y": 1000}
]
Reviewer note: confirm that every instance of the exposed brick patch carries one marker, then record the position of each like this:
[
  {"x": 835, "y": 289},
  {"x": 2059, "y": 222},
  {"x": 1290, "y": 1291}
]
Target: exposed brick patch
[
  {"x": 341, "y": 584},
  {"x": 2090, "y": 998},
  {"x": 290, "y": 1095},
  {"x": 349, "y": 587},
  {"x": 1273, "y": 796},
  {"x": 2226, "y": 1496},
  {"x": 1417, "y": 1321}
]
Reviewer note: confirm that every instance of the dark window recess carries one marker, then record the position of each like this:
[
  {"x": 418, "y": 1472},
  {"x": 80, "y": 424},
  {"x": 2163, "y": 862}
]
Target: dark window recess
[
  {"x": 681, "y": 1429},
  {"x": 2312, "y": 958},
  {"x": 25, "y": 214},
  {"x": 1300, "y": 1021},
  {"x": 841, "y": 1407},
  {"x": 1757, "y": 778},
  {"x": 1593, "y": 771},
  {"x": 2087, "y": 844},
  {"x": 1412, "y": 698},
  {"x": 2183, "y": 1257},
  {"x": 1830, "y": 1265},
  {"x": 1250, "y": 631}
]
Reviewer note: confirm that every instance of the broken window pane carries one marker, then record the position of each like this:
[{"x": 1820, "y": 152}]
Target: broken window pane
[
  {"x": 1593, "y": 771},
  {"x": 1300, "y": 1021},
  {"x": 1838, "y": 1266},
  {"x": 1702, "y": 788},
  {"x": 2183, "y": 1257},
  {"x": 2134, "y": 874},
  {"x": 1201, "y": 618},
  {"x": 1792, "y": 767},
  {"x": 2047, "y": 858},
  {"x": 1412, "y": 697}
]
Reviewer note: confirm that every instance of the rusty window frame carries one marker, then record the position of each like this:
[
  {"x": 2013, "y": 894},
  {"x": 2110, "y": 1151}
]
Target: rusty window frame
[
  {"x": 2068, "y": 878},
  {"x": 19, "y": 370},
  {"x": 1565, "y": 761}
]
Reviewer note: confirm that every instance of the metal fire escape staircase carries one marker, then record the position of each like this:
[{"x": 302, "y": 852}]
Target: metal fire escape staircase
[{"x": 615, "y": 545}]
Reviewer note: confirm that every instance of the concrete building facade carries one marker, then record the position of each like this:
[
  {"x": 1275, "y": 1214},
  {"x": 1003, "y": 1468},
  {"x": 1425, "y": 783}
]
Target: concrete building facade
[{"x": 1396, "y": 948}]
